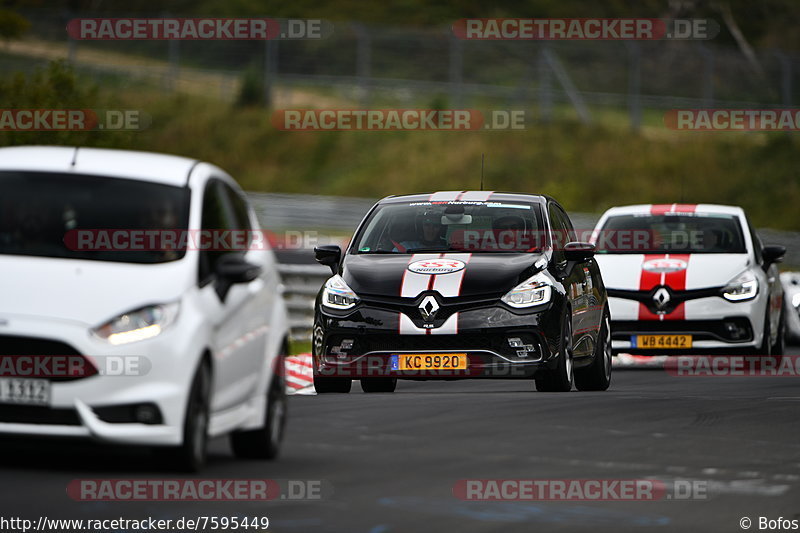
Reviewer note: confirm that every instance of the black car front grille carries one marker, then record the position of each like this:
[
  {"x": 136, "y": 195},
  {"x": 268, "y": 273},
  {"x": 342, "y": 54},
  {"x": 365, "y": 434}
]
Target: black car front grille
[
  {"x": 699, "y": 329},
  {"x": 11, "y": 346},
  {"x": 676, "y": 297},
  {"x": 497, "y": 343},
  {"x": 35, "y": 414}
]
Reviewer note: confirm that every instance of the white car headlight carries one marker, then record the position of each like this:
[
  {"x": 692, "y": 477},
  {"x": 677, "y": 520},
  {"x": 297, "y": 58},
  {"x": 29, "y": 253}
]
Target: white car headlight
[
  {"x": 138, "y": 325},
  {"x": 796, "y": 300},
  {"x": 337, "y": 295},
  {"x": 743, "y": 287},
  {"x": 536, "y": 290}
]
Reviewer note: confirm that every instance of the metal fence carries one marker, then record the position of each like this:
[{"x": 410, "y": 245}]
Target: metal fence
[{"x": 403, "y": 66}]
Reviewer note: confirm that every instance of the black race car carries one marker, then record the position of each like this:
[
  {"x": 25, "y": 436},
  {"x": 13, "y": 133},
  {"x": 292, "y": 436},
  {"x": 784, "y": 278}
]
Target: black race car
[{"x": 453, "y": 285}]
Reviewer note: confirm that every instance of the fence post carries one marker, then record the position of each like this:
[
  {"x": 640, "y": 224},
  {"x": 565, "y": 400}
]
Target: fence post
[
  {"x": 71, "y": 41},
  {"x": 456, "y": 70},
  {"x": 708, "y": 75},
  {"x": 270, "y": 69},
  {"x": 563, "y": 78},
  {"x": 545, "y": 86},
  {"x": 174, "y": 64},
  {"x": 173, "y": 60},
  {"x": 363, "y": 62},
  {"x": 786, "y": 78},
  {"x": 634, "y": 84}
]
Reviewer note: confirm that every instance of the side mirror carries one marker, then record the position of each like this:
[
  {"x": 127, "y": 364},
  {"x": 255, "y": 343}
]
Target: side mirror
[
  {"x": 772, "y": 253},
  {"x": 578, "y": 251},
  {"x": 232, "y": 268},
  {"x": 328, "y": 255}
]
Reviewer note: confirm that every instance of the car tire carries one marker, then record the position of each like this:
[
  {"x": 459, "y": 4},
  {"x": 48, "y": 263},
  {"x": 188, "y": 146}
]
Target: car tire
[
  {"x": 765, "y": 348},
  {"x": 190, "y": 456},
  {"x": 779, "y": 348},
  {"x": 560, "y": 378},
  {"x": 597, "y": 376},
  {"x": 378, "y": 384},
  {"x": 329, "y": 385},
  {"x": 265, "y": 442}
]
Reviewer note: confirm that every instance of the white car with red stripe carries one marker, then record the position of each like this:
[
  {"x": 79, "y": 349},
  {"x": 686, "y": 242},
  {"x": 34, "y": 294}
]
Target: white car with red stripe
[{"x": 687, "y": 278}]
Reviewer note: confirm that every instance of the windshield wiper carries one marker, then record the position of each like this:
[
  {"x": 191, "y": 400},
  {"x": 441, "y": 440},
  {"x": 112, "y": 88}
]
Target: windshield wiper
[
  {"x": 429, "y": 250},
  {"x": 379, "y": 252}
]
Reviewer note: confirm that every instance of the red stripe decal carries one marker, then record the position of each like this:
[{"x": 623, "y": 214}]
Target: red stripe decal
[
  {"x": 677, "y": 282},
  {"x": 647, "y": 281},
  {"x": 662, "y": 209}
]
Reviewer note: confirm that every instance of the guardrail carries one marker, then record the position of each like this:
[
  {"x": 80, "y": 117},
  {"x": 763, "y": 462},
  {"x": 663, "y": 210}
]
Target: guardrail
[{"x": 301, "y": 284}]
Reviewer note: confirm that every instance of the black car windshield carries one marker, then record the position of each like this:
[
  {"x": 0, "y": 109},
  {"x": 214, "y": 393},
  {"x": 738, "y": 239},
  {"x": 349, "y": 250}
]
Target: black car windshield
[
  {"x": 66, "y": 215},
  {"x": 476, "y": 227},
  {"x": 699, "y": 233}
]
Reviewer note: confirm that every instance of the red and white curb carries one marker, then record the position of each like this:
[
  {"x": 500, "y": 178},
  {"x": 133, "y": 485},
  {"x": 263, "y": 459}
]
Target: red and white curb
[
  {"x": 626, "y": 360},
  {"x": 299, "y": 376}
]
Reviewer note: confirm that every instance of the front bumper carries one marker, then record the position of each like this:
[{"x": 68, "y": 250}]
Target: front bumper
[
  {"x": 82, "y": 421},
  {"x": 96, "y": 406},
  {"x": 363, "y": 344},
  {"x": 716, "y": 326}
]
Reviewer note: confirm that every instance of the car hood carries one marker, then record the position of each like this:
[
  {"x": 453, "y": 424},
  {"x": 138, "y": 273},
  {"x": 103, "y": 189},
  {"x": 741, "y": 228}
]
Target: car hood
[
  {"x": 482, "y": 274},
  {"x": 677, "y": 271},
  {"x": 89, "y": 292}
]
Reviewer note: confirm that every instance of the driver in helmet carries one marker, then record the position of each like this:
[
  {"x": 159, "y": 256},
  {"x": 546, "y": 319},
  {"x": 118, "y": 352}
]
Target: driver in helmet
[{"x": 430, "y": 234}]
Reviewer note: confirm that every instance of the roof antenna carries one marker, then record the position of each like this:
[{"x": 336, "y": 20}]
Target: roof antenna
[
  {"x": 74, "y": 157},
  {"x": 481, "y": 171}
]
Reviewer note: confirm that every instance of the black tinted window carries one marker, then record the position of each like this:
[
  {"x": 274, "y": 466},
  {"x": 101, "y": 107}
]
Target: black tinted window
[
  {"x": 217, "y": 215},
  {"x": 672, "y": 233},
  {"x": 88, "y": 217},
  {"x": 559, "y": 231},
  {"x": 475, "y": 227},
  {"x": 239, "y": 207}
]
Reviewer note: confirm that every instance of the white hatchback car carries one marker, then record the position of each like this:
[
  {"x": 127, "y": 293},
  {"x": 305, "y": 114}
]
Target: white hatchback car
[
  {"x": 686, "y": 278},
  {"x": 128, "y": 343}
]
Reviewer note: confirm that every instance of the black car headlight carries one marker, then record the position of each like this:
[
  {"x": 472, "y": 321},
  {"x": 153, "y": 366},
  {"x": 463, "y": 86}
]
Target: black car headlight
[
  {"x": 337, "y": 295},
  {"x": 536, "y": 290}
]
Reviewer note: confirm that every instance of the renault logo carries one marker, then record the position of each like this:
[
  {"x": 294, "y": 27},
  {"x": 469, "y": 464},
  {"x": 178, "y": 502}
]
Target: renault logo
[
  {"x": 661, "y": 297},
  {"x": 428, "y": 308}
]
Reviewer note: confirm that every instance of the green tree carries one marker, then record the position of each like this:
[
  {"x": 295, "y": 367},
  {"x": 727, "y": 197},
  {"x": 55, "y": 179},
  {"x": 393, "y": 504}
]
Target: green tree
[{"x": 12, "y": 25}]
